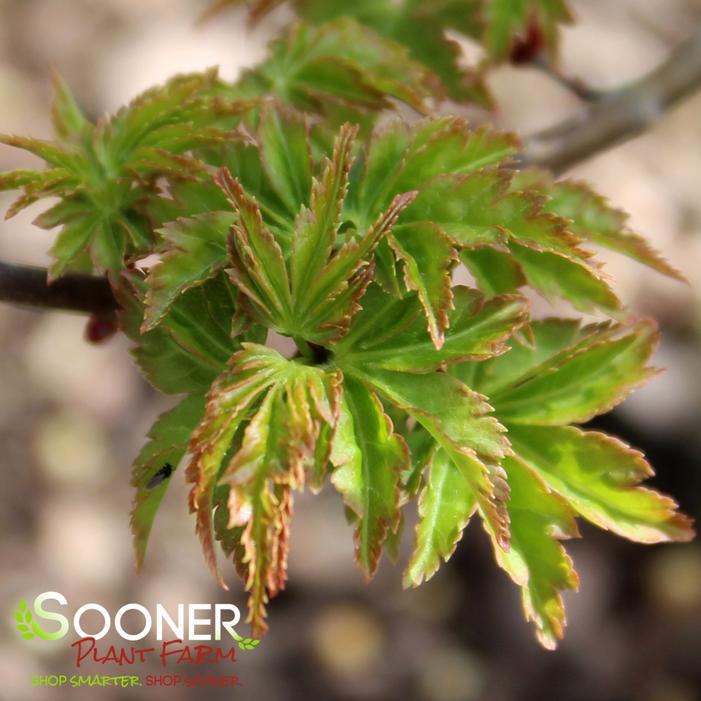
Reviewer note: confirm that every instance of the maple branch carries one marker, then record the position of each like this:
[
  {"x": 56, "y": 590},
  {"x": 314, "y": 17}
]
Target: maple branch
[
  {"x": 26, "y": 285},
  {"x": 577, "y": 86},
  {"x": 621, "y": 114}
]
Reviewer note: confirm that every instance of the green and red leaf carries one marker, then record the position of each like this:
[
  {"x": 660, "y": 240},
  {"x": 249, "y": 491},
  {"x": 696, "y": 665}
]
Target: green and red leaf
[{"x": 369, "y": 458}]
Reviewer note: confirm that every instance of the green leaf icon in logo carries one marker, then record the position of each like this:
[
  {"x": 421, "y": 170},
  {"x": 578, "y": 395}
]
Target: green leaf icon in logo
[
  {"x": 245, "y": 643},
  {"x": 23, "y": 616},
  {"x": 248, "y": 644}
]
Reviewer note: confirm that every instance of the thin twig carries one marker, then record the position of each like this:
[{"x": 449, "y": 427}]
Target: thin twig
[
  {"x": 619, "y": 115},
  {"x": 26, "y": 285},
  {"x": 578, "y": 87}
]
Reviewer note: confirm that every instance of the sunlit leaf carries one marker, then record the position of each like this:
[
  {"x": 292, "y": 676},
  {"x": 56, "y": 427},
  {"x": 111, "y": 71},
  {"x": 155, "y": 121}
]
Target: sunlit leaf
[
  {"x": 593, "y": 219},
  {"x": 249, "y": 375},
  {"x": 599, "y": 476},
  {"x": 338, "y": 63}
]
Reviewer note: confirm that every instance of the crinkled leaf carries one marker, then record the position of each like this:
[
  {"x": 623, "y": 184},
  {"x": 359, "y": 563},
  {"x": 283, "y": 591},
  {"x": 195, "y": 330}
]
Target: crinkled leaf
[
  {"x": 278, "y": 448},
  {"x": 557, "y": 275},
  {"x": 162, "y": 114},
  {"x": 114, "y": 165},
  {"x": 333, "y": 297},
  {"x": 258, "y": 266},
  {"x": 478, "y": 209},
  {"x": 594, "y": 219},
  {"x": 68, "y": 119},
  {"x": 263, "y": 509},
  {"x": 428, "y": 258},
  {"x": 108, "y": 245},
  {"x": 250, "y": 373},
  {"x": 553, "y": 339},
  {"x": 465, "y": 201},
  {"x": 316, "y": 226},
  {"x": 70, "y": 248},
  {"x": 339, "y": 63},
  {"x": 54, "y": 154},
  {"x": 495, "y": 270},
  {"x": 243, "y": 158},
  {"x": 15, "y": 179},
  {"x": 420, "y": 27},
  {"x": 402, "y": 157},
  {"x": 191, "y": 346}
]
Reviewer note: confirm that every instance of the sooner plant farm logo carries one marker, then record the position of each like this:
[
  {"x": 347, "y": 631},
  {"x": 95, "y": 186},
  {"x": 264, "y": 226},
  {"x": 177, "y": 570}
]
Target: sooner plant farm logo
[{"x": 198, "y": 624}]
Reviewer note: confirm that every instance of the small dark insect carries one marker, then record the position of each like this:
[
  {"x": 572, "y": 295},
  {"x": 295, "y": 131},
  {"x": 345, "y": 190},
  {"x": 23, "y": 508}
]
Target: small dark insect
[{"x": 161, "y": 476}]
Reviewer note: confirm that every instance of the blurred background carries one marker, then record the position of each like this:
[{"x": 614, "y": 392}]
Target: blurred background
[{"x": 73, "y": 416}]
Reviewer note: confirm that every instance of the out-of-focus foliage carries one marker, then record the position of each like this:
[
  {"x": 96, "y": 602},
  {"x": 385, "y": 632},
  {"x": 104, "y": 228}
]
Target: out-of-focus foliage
[
  {"x": 516, "y": 30},
  {"x": 104, "y": 172}
]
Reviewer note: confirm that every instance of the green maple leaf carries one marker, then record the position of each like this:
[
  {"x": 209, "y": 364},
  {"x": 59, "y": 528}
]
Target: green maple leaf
[
  {"x": 104, "y": 173},
  {"x": 369, "y": 458},
  {"x": 445, "y": 506},
  {"x": 569, "y": 375},
  {"x": 286, "y": 404},
  {"x": 405, "y": 386},
  {"x": 335, "y": 67},
  {"x": 425, "y": 30},
  {"x": 286, "y": 203},
  {"x": 592, "y": 218}
]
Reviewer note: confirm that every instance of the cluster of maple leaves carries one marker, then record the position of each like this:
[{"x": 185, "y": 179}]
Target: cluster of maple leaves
[{"x": 292, "y": 201}]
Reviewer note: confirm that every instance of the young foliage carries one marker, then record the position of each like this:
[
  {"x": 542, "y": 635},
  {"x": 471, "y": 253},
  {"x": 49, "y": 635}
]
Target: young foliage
[
  {"x": 337, "y": 67},
  {"x": 420, "y": 27},
  {"x": 291, "y": 202},
  {"x": 569, "y": 375},
  {"x": 103, "y": 173},
  {"x": 515, "y": 30}
]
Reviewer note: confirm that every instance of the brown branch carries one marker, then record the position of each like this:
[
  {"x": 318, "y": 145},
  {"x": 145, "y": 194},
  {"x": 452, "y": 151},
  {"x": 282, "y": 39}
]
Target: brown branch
[
  {"x": 619, "y": 115},
  {"x": 27, "y": 286},
  {"x": 578, "y": 87}
]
